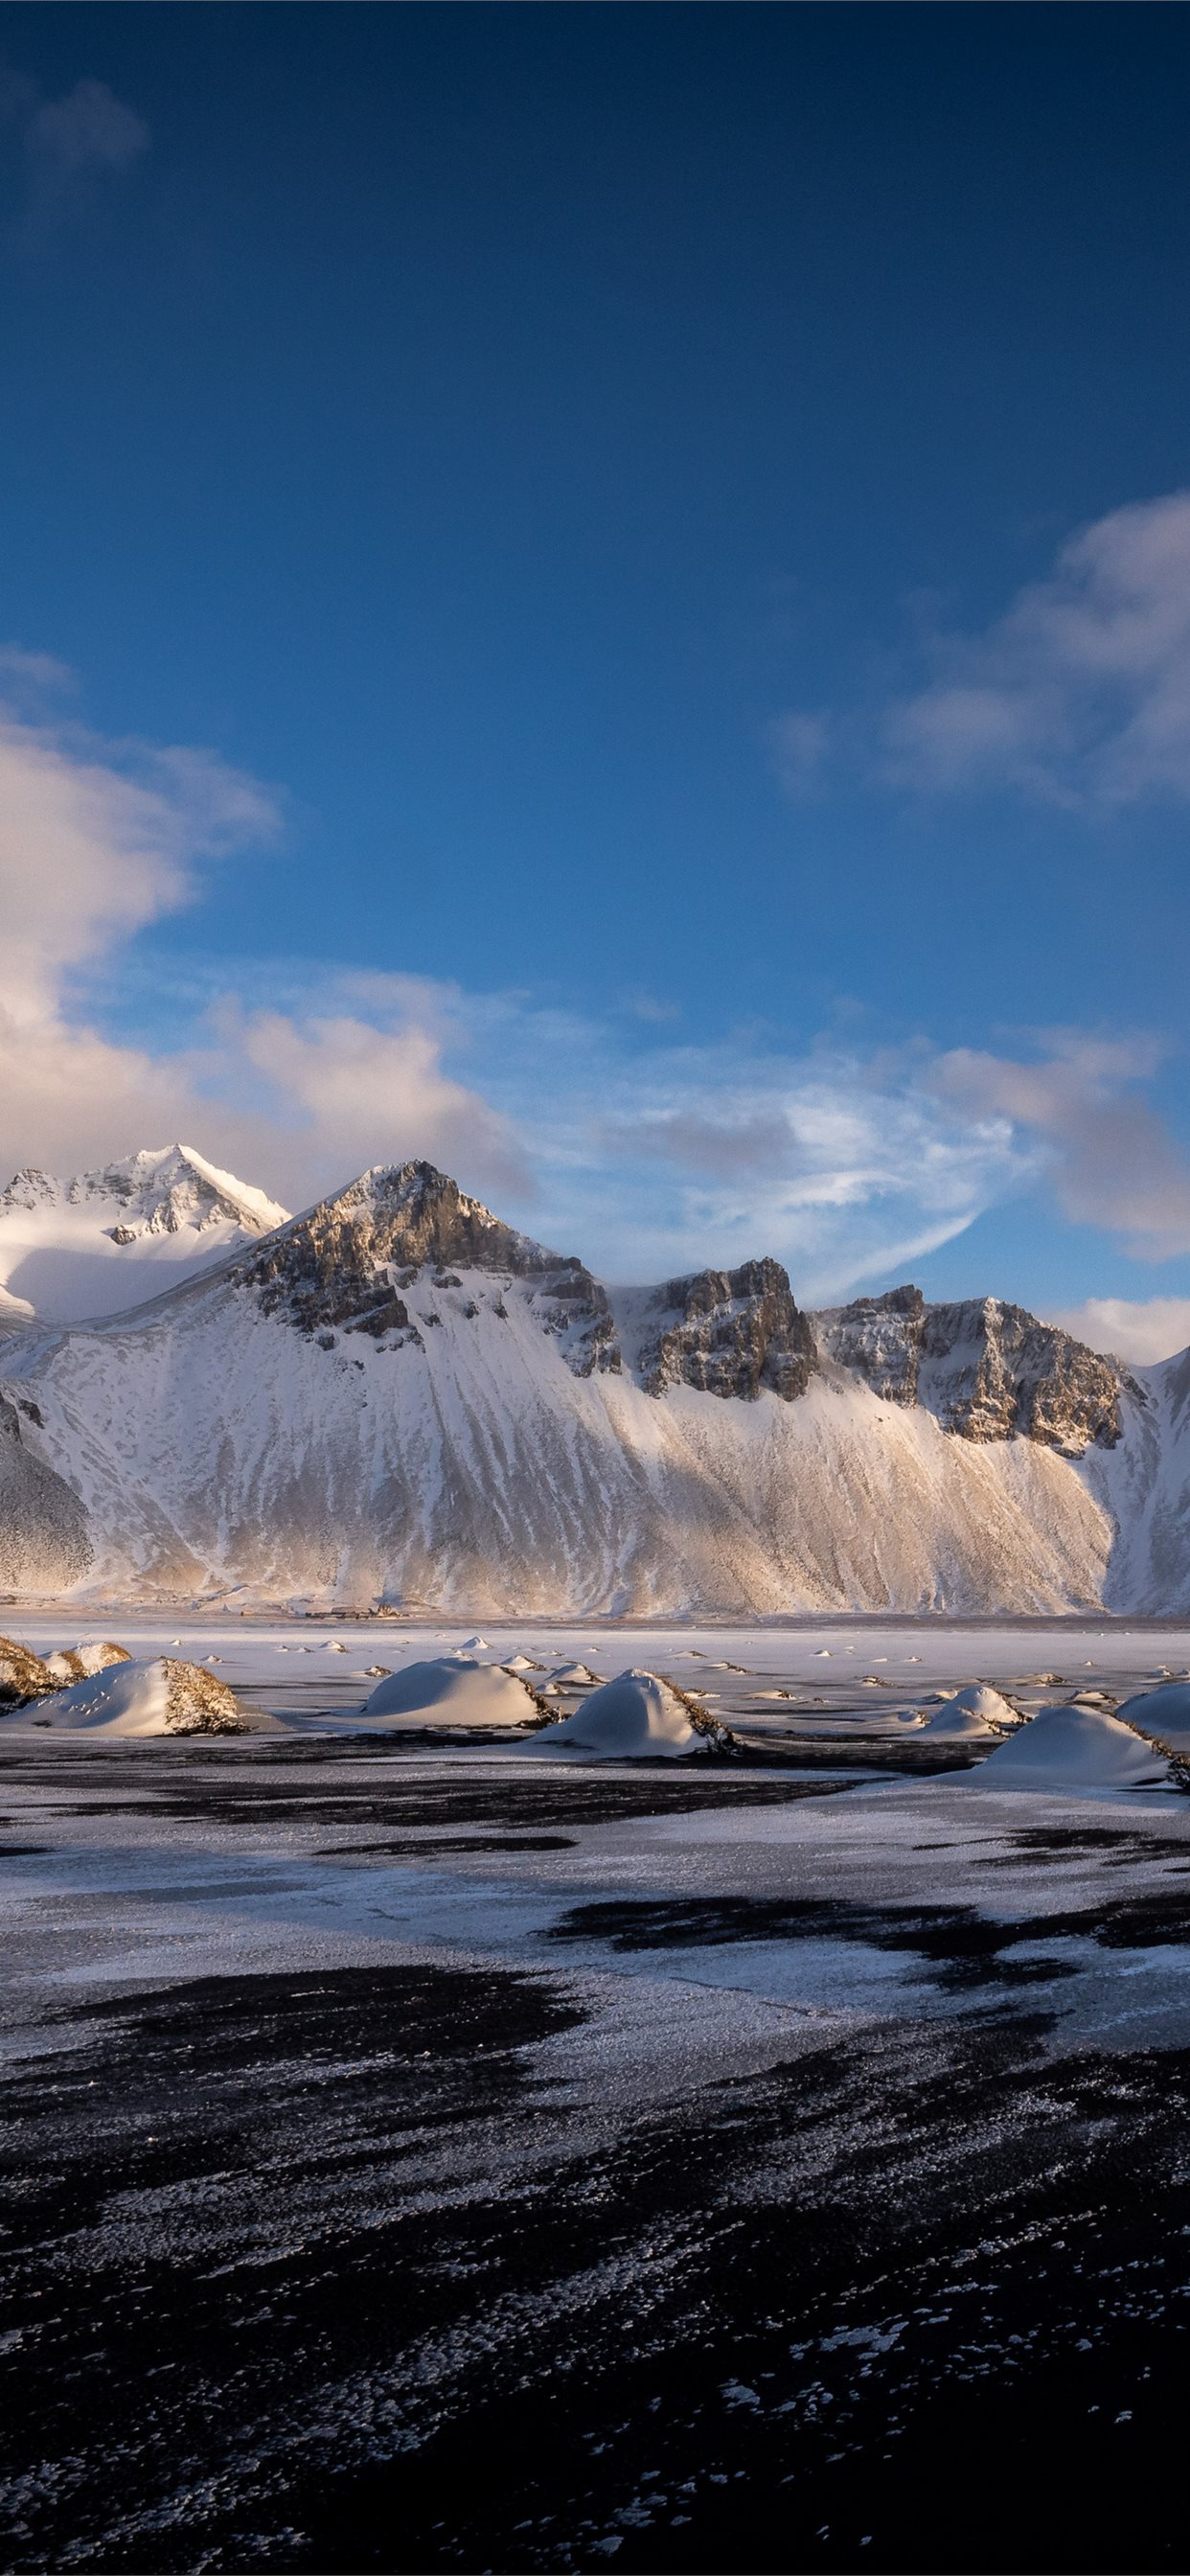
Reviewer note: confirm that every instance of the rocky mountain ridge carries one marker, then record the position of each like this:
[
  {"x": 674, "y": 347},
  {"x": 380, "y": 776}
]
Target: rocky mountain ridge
[
  {"x": 987, "y": 1370},
  {"x": 395, "y": 1396}
]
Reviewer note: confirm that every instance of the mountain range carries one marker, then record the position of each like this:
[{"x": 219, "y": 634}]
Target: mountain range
[{"x": 396, "y": 1399}]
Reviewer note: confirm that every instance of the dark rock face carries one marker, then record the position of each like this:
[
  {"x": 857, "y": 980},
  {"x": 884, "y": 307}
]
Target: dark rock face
[
  {"x": 991, "y": 1371},
  {"x": 880, "y": 1338},
  {"x": 347, "y": 1261},
  {"x": 984, "y": 1369},
  {"x": 574, "y": 1305},
  {"x": 730, "y": 1332}
]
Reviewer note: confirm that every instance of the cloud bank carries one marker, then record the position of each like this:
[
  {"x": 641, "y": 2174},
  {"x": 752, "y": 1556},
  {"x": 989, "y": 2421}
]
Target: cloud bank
[
  {"x": 646, "y": 1156},
  {"x": 1140, "y": 1330}
]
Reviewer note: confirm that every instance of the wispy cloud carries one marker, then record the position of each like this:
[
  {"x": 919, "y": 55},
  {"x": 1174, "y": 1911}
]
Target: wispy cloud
[
  {"x": 1078, "y": 695},
  {"x": 69, "y": 146},
  {"x": 1110, "y": 1160}
]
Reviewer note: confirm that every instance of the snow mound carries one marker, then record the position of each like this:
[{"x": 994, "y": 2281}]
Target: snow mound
[
  {"x": 23, "y": 1675},
  {"x": 976, "y": 1710},
  {"x": 158, "y": 1698},
  {"x": 472, "y": 1645},
  {"x": 453, "y": 1690},
  {"x": 636, "y": 1714},
  {"x": 573, "y": 1677},
  {"x": 1073, "y": 1748},
  {"x": 521, "y": 1664},
  {"x": 91, "y": 1655},
  {"x": 1163, "y": 1714}
]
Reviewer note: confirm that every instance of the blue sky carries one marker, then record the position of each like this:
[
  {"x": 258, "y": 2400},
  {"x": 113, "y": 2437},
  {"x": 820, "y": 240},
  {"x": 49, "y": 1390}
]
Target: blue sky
[{"x": 605, "y": 594}]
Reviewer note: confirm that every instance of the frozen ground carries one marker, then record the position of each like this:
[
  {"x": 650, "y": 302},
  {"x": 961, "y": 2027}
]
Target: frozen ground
[{"x": 427, "y": 2158}]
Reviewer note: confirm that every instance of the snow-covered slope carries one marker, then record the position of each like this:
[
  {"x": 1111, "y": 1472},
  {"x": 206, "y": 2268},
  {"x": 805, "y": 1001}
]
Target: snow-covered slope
[
  {"x": 101, "y": 1242},
  {"x": 397, "y": 1398}
]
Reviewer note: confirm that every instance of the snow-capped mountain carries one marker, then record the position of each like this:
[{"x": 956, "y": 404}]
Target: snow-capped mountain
[
  {"x": 398, "y": 1398},
  {"x": 105, "y": 1240}
]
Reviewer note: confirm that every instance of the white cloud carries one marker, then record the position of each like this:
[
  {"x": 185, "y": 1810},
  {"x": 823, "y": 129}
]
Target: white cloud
[
  {"x": 841, "y": 1169},
  {"x": 361, "y": 1092},
  {"x": 1111, "y": 1162},
  {"x": 1140, "y": 1330},
  {"x": 97, "y": 842},
  {"x": 1080, "y": 693}
]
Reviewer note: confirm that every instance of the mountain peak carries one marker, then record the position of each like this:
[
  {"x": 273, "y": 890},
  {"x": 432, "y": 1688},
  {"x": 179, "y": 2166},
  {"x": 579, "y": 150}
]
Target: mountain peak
[
  {"x": 103, "y": 1240},
  {"x": 347, "y": 1263},
  {"x": 411, "y": 1213}
]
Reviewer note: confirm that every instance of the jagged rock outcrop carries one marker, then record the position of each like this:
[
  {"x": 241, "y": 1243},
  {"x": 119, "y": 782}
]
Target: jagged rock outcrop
[
  {"x": 880, "y": 1339},
  {"x": 990, "y": 1371},
  {"x": 344, "y": 1265},
  {"x": 729, "y": 1333},
  {"x": 986, "y": 1370}
]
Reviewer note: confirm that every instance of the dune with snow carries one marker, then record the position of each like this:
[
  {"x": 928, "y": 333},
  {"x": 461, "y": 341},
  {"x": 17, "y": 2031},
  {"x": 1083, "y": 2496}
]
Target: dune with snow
[
  {"x": 1073, "y": 1748},
  {"x": 91, "y": 1655},
  {"x": 451, "y": 1690},
  {"x": 158, "y": 1697},
  {"x": 1163, "y": 1714},
  {"x": 636, "y": 1715},
  {"x": 977, "y": 1711}
]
